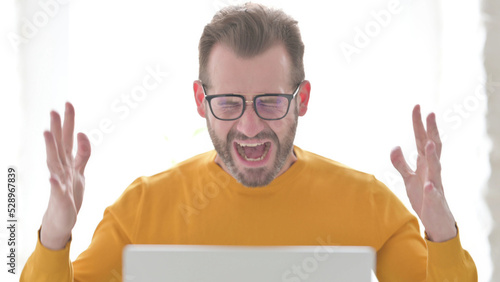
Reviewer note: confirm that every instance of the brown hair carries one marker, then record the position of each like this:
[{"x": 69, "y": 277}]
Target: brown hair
[{"x": 249, "y": 30}]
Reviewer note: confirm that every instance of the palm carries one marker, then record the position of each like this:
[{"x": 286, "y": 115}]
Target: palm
[
  {"x": 414, "y": 185},
  {"x": 66, "y": 177},
  {"x": 63, "y": 205}
]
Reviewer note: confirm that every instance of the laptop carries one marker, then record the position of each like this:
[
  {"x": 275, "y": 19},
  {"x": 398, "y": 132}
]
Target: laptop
[{"x": 193, "y": 263}]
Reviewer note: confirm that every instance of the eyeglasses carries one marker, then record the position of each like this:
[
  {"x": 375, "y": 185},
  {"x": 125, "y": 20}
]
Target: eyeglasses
[{"x": 267, "y": 106}]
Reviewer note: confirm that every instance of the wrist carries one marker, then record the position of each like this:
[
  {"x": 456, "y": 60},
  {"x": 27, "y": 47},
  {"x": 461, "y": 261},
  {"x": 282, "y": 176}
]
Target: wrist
[
  {"x": 52, "y": 241},
  {"x": 443, "y": 234}
]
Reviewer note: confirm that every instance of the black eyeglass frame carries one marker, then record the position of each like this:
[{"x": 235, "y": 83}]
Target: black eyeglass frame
[{"x": 289, "y": 97}]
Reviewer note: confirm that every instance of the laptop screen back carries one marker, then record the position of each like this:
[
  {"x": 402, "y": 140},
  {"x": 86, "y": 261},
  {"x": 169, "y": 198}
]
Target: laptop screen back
[{"x": 189, "y": 263}]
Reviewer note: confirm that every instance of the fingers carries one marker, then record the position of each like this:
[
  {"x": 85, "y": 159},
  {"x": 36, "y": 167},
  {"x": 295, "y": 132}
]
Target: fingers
[
  {"x": 68, "y": 129},
  {"x": 55, "y": 129},
  {"x": 434, "y": 166},
  {"x": 53, "y": 160},
  {"x": 400, "y": 164},
  {"x": 422, "y": 135},
  {"x": 63, "y": 135},
  {"x": 433, "y": 133},
  {"x": 419, "y": 130},
  {"x": 82, "y": 153},
  {"x": 59, "y": 143}
]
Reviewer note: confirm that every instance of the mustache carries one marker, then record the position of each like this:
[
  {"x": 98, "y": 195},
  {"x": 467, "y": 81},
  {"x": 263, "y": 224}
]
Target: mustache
[{"x": 266, "y": 134}]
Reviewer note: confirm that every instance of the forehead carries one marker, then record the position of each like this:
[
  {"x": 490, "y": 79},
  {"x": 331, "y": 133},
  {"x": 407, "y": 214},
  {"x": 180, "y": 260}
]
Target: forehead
[{"x": 266, "y": 72}]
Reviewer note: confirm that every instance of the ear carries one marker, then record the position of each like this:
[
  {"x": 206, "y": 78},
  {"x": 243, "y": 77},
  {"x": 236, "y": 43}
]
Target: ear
[
  {"x": 304, "y": 97},
  {"x": 199, "y": 97}
]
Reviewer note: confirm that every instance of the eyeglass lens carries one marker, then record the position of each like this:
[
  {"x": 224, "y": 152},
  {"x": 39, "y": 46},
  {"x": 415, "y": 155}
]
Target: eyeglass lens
[{"x": 268, "y": 107}]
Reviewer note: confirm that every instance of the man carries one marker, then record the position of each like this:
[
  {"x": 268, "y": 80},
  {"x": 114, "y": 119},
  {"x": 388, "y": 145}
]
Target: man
[{"x": 256, "y": 188}]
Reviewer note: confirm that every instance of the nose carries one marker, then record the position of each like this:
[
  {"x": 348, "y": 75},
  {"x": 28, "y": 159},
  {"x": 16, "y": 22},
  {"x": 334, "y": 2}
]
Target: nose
[{"x": 250, "y": 123}]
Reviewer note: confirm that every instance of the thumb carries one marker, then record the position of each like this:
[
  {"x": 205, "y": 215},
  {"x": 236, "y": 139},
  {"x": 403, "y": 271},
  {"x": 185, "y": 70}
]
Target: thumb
[
  {"x": 83, "y": 152},
  {"x": 399, "y": 162}
]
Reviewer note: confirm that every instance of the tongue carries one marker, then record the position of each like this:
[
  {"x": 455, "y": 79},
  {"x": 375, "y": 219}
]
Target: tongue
[{"x": 254, "y": 152}]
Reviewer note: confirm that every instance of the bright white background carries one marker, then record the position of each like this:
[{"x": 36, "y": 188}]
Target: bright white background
[{"x": 94, "y": 53}]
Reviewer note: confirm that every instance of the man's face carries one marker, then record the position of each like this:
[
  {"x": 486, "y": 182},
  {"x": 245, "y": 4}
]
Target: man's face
[{"x": 252, "y": 150}]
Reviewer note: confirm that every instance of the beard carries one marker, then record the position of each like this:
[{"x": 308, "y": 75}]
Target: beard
[{"x": 255, "y": 177}]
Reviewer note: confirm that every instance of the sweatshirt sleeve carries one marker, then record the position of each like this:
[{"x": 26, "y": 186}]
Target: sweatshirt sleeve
[
  {"x": 48, "y": 265},
  {"x": 448, "y": 261},
  {"x": 405, "y": 256},
  {"x": 102, "y": 260}
]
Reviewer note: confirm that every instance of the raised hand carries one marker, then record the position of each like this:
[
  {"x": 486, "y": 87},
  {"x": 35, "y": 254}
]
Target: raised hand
[
  {"x": 66, "y": 179},
  {"x": 424, "y": 186}
]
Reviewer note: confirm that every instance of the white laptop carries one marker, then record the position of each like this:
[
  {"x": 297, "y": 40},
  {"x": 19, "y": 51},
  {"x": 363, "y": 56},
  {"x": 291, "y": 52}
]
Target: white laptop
[{"x": 192, "y": 263}]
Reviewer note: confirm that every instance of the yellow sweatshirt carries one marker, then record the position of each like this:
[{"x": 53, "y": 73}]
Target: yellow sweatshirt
[{"x": 317, "y": 201}]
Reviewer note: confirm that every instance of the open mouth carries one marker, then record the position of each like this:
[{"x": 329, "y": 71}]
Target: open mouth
[{"x": 253, "y": 152}]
